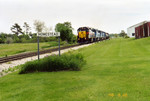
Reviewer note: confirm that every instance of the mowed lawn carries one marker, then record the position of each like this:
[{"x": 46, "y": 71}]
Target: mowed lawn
[
  {"x": 116, "y": 70},
  {"x": 16, "y": 48}
]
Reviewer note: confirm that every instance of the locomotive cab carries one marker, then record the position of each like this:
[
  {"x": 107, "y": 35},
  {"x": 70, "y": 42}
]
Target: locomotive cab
[{"x": 83, "y": 33}]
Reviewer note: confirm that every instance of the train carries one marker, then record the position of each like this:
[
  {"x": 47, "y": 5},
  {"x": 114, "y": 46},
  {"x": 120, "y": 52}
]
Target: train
[{"x": 88, "y": 35}]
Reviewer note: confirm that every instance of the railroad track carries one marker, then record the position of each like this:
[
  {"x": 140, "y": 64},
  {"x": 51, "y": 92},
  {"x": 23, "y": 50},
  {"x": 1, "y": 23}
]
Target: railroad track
[{"x": 30, "y": 54}]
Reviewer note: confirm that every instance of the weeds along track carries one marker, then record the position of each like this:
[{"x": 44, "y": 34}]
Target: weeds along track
[{"x": 30, "y": 54}]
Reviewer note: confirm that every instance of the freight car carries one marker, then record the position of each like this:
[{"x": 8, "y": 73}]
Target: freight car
[{"x": 87, "y": 34}]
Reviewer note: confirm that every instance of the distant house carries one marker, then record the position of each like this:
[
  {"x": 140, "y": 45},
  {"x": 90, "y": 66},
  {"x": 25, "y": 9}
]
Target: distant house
[{"x": 131, "y": 30}]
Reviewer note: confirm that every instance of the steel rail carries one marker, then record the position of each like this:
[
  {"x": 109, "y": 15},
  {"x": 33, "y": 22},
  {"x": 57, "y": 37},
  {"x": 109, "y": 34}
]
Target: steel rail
[{"x": 30, "y": 54}]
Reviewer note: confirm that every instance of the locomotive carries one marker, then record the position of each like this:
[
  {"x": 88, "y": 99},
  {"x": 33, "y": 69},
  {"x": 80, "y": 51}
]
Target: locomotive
[{"x": 87, "y": 35}]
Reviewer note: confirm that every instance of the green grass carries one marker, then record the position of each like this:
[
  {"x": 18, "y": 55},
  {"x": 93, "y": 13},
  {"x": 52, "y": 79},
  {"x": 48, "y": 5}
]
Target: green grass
[
  {"x": 118, "y": 66},
  {"x": 15, "y": 48}
]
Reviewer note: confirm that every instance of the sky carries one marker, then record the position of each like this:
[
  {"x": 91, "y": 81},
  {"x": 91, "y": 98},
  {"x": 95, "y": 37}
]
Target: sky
[{"x": 111, "y": 16}]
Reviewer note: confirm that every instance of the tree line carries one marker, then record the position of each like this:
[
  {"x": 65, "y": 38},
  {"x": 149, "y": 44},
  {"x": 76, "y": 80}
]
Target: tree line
[
  {"x": 121, "y": 34},
  {"x": 26, "y": 36}
]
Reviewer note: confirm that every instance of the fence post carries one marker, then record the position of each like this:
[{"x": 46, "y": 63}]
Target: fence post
[
  {"x": 38, "y": 45},
  {"x": 59, "y": 44}
]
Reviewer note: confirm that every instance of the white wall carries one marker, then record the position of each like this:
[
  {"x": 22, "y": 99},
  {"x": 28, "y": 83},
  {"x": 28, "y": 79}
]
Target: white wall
[{"x": 130, "y": 31}]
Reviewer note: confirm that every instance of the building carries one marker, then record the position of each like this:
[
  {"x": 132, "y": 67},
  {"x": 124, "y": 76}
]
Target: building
[
  {"x": 142, "y": 30},
  {"x": 131, "y": 30}
]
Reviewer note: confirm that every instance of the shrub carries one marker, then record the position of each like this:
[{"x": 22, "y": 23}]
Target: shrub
[
  {"x": 126, "y": 36},
  {"x": 55, "y": 63}
]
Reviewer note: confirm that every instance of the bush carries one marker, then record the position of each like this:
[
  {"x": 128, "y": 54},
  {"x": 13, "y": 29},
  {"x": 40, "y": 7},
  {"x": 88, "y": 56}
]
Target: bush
[
  {"x": 126, "y": 36},
  {"x": 54, "y": 63}
]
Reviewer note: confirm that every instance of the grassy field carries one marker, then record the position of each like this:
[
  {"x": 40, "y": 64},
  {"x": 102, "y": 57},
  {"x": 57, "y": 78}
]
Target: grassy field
[
  {"x": 15, "y": 48},
  {"x": 116, "y": 70}
]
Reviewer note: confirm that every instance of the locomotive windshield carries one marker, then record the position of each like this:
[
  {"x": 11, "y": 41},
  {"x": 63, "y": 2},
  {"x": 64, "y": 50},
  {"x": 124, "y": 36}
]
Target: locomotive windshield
[{"x": 83, "y": 29}]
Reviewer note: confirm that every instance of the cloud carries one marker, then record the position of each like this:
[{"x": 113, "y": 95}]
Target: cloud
[{"x": 108, "y": 15}]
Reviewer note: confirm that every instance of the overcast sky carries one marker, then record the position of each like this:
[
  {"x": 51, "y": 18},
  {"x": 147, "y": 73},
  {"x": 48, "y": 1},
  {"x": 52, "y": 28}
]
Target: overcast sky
[{"x": 108, "y": 15}]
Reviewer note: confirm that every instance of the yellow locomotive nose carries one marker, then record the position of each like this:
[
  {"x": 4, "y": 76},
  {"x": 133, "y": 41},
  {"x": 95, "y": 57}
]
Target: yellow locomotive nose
[{"x": 82, "y": 34}]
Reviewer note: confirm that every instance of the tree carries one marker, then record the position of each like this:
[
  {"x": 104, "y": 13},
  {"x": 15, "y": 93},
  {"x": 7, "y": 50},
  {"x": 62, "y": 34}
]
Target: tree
[
  {"x": 27, "y": 28},
  {"x": 115, "y": 35},
  {"x": 39, "y": 26},
  {"x": 3, "y": 37},
  {"x": 123, "y": 34},
  {"x": 16, "y": 39},
  {"x": 65, "y": 30},
  {"x": 9, "y": 40},
  {"x": 1, "y": 40},
  {"x": 74, "y": 38},
  {"x": 16, "y": 29}
]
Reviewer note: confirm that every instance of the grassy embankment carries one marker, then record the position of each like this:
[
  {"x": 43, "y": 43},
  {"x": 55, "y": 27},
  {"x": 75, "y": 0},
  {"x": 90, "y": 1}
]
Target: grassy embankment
[
  {"x": 16, "y": 48},
  {"x": 116, "y": 70}
]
